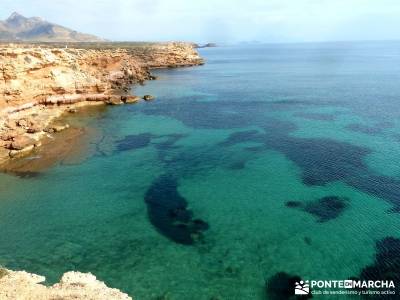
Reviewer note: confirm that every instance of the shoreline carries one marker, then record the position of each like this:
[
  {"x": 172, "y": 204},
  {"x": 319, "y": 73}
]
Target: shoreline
[{"x": 40, "y": 85}]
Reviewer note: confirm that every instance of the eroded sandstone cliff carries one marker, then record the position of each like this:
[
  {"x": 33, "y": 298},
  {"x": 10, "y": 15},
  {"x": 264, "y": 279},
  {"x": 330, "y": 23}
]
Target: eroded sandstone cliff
[{"x": 40, "y": 83}]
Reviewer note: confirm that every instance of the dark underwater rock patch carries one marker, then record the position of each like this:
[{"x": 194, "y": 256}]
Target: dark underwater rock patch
[
  {"x": 170, "y": 141},
  {"x": 241, "y": 137},
  {"x": 210, "y": 115},
  {"x": 190, "y": 160},
  {"x": 281, "y": 287},
  {"x": 387, "y": 261},
  {"x": 307, "y": 240},
  {"x": 168, "y": 212},
  {"x": 293, "y": 204},
  {"x": 386, "y": 265},
  {"x": 238, "y": 165},
  {"x": 324, "y": 209},
  {"x": 384, "y": 187},
  {"x": 134, "y": 141},
  {"x": 164, "y": 148},
  {"x": 396, "y": 137},
  {"x": 137, "y": 141},
  {"x": 275, "y": 128},
  {"x": 364, "y": 129},
  {"x": 322, "y": 160},
  {"x": 316, "y": 116},
  {"x": 256, "y": 149},
  {"x": 378, "y": 128}
]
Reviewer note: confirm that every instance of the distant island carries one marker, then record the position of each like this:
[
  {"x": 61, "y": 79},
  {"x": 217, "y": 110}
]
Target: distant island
[{"x": 20, "y": 28}]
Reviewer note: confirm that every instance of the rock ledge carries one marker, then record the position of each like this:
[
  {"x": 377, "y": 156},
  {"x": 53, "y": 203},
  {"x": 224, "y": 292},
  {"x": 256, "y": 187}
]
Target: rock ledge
[{"x": 73, "y": 285}]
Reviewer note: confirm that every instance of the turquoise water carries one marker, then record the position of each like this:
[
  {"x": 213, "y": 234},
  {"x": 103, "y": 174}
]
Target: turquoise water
[{"x": 267, "y": 164}]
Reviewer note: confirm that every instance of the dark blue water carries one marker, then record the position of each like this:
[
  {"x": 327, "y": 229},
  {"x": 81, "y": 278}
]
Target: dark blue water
[{"x": 268, "y": 164}]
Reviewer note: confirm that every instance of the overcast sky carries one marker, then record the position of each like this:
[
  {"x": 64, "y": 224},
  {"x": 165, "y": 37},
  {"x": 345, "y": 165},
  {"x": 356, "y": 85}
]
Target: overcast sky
[{"x": 220, "y": 20}]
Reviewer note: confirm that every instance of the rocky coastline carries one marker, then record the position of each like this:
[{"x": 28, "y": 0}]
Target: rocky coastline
[
  {"x": 41, "y": 82},
  {"x": 72, "y": 285}
]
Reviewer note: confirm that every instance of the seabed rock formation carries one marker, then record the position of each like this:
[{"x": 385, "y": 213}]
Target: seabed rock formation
[
  {"x": 73, "y": 285},
  {"x": 39, "y": 83}
]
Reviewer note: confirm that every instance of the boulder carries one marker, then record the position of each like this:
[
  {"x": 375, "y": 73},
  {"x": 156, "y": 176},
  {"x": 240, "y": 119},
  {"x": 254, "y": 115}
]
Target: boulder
[
  {"x": 56, "y": 128},
  {"x": 18, "y": 153},
  {"x": 22, "y": 142},
  {"x": 148, "y": 97},
  {"x": 34, "y": 128},
  {"x": 115, "y": 100},
  {"x": 130, "y": 99},
  {"x": 23, "y": 123},
  {"x": 7, "y": 136}
]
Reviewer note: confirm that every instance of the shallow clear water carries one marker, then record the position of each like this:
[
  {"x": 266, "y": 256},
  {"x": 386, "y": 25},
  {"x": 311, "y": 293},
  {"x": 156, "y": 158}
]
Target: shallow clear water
[{"x": 268, "y": 159}]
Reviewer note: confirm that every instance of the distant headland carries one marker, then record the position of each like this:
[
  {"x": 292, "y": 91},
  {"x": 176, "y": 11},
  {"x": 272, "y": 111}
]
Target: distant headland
[{"x": 20, "y": 28}]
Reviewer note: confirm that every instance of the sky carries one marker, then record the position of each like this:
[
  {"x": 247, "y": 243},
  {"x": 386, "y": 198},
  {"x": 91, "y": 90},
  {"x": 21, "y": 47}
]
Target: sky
[{"x": 223, "y": 21}]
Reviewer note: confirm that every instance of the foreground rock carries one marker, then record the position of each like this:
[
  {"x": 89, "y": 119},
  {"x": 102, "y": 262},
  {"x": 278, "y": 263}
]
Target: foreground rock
[
  {"x": 38, "y": 84},
  {"x": 73, "y": 285}
]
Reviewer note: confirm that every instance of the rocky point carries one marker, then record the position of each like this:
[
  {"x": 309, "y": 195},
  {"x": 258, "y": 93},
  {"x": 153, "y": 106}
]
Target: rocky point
[{"x": 39, "y": 83}]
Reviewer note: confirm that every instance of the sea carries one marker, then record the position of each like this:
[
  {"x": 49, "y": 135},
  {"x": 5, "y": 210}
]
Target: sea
[{"x": 269, "y": 165}]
